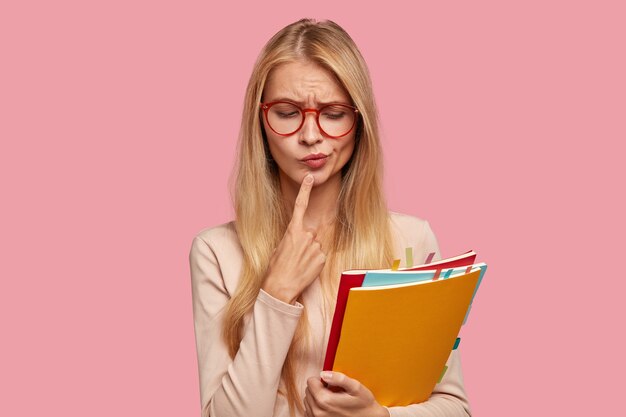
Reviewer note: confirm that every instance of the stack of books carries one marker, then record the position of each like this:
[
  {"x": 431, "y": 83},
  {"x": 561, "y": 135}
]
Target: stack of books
[{"x": 393, "y": 329}]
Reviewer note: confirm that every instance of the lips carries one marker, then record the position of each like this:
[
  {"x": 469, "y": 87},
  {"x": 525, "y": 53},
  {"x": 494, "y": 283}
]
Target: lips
[
  {"x": 317, "y": 160},
  {"x": 314, "y": 156}
]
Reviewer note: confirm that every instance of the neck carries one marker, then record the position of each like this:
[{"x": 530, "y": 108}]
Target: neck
[{"x": 322, "y": 208}]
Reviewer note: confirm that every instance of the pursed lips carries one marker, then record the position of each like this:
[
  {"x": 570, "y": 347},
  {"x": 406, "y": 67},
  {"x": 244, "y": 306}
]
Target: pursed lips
[
  {"x": 314, "y": 156},
  {"x": 315, "y": 160}
]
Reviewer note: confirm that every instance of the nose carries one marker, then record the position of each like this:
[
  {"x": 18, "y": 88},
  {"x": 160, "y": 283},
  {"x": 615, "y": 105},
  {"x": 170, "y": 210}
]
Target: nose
[{"x": 310, "y": 132}]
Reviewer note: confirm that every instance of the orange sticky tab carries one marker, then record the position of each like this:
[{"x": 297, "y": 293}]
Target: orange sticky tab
[
  {"x": 469, "y": 269},
  {"x": 396, "y": 264}
]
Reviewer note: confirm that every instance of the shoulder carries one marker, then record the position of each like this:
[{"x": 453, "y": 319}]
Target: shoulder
[
  {"x": 220, "y": 235},
  {"x": 412, "y": 232},
  {"x": 410, "y": 227},
  {"x": 217, "y": 249}
]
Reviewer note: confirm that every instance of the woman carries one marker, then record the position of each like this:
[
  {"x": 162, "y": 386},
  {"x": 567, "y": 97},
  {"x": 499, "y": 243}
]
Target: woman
[{"x": 309, "y": 204}]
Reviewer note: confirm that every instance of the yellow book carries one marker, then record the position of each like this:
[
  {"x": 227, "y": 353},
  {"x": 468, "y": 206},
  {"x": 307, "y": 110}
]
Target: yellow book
[{"x": 396, "y": 339}]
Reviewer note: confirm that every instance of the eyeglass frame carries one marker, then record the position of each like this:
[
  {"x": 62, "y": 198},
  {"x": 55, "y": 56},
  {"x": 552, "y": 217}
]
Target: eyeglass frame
[{"x": 268, "y": 105}]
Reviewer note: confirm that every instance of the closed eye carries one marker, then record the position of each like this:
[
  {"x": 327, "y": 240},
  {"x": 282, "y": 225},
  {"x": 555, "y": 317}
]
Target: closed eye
[
  {"x": 287, "y": 115},
  {"x": 335, "y": 116}
]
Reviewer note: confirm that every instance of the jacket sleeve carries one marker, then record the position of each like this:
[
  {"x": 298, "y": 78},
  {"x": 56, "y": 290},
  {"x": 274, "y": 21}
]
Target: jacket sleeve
[
  {"x": 448, "y": 398},
  {"x": 247, "y": 384}
]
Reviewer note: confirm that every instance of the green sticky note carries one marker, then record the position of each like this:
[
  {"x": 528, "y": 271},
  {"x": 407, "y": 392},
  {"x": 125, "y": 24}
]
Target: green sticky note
[
  {"x": 456, "y": 343},
  {"x": 409, "y": 257},
  {"x": 445, "y": 368}
]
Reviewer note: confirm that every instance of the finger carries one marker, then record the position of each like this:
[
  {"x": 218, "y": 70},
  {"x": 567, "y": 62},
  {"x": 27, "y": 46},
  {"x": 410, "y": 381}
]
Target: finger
[
  {"x": 337, "y": 379},
  {"x": 302, "y": 200},
  {"x": 314, "y": 385},
  {"x": 313, "y": 233},
  {"x": 307, "y": 407},
  {"x": 312, "y": 397}
]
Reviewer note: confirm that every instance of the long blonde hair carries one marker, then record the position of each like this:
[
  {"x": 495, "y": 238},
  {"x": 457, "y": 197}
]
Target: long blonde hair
[{"x": 360, "y": 237}]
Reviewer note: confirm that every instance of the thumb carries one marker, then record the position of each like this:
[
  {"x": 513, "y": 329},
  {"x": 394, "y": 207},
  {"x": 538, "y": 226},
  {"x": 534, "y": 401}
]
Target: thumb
[{"x": 337, "y": 379}]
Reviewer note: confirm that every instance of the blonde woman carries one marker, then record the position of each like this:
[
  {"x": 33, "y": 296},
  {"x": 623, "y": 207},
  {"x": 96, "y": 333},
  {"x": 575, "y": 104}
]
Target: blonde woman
[{"x": 309, "y": 204}]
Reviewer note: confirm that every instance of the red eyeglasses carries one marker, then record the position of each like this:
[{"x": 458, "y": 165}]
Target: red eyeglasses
[{"x": 286, "y": 118}]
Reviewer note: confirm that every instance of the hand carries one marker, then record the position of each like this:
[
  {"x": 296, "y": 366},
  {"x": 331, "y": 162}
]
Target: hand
[
  {"x": 353, "y": 398},
  {"x": 298, "y": 259}
]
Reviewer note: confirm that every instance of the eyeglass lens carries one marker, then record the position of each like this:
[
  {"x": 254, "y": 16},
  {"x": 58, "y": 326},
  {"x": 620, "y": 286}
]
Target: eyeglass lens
[{"x": 335, "y": 120}]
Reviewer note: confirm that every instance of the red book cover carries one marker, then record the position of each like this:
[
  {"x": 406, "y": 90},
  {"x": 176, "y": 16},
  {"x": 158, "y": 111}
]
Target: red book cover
[{"x": 347, "y": 281}]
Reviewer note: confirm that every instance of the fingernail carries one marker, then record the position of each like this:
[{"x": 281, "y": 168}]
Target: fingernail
[
  {"x": 326, "y": 375},
  {"x": 308, "y": 179}
]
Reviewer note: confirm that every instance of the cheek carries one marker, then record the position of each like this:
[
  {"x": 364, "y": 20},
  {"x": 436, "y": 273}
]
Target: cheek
[
  {"x": 273, "y": 143},
  {"x": 274, "y": 150},
  {"x": 346, "y": 150},
  {"x": 279, "y": 148}
]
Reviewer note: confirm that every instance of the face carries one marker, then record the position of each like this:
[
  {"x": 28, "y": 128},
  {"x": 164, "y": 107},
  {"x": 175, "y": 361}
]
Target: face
[{"x": 307, "y": 84}]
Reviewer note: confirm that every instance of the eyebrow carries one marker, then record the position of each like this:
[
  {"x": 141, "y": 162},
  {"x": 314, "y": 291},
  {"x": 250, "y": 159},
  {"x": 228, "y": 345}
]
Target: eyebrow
[{"x": 321, "y": 103}]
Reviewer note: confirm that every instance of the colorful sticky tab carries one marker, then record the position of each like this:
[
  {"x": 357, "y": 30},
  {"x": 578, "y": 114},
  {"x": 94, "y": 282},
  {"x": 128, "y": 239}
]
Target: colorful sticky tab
[
  {"x": 445, "y": 368},
  {"x": 448, "y": 273},
  {"x": 469, "y": 269},
  {"x": 396, "y": 264},
  {"x": 437, "y": 273},
  {"x": 409, "y": 257},
  {"x": 456, "y": 343},
  {"x": 429, "y": 258}
]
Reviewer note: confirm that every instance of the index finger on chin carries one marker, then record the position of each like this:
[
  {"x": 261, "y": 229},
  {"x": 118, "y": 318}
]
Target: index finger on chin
[{"x": 302, "y": 200}]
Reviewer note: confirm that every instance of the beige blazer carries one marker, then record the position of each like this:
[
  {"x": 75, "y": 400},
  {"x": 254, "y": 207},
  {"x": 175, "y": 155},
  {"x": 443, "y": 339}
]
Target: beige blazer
[{"x": 247, "y": 386}]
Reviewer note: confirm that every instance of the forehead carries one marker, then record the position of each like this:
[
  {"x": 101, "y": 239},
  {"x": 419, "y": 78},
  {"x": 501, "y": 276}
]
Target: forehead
[{"x": 303, "y": 81}]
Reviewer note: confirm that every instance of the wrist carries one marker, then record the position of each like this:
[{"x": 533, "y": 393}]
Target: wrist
[{"x": 280, "y": 293}]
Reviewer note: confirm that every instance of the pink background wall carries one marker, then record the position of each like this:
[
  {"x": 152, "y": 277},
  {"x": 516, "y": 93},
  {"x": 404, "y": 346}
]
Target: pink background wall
[{"x": 118, "y": 122}]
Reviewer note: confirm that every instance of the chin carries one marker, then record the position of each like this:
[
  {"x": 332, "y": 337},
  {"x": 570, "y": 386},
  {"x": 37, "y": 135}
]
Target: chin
[{"x": 321, "y": 176}]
